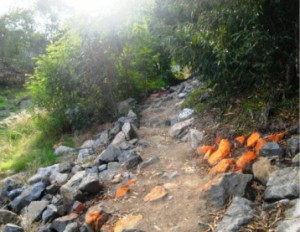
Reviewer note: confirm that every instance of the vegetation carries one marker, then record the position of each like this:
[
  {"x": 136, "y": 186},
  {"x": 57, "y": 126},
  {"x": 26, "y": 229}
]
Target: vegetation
[{"x": 245, "y": 52}]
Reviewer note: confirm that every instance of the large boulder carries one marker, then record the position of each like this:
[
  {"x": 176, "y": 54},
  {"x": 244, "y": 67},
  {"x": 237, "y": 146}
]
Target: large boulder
[
  {"x": 218, "y": 190},
  {"x": 239, "y": 213},
  {"x": 90, "y": 183},
  {"x": 129, "y": 158},
  {"x": 30, "y": 194},
  {"x": 283, "y": 183},
  {"x": 7, "y": 186},
  {"x": 129, "y": 130},
  {"x": 50, "y": 214}
]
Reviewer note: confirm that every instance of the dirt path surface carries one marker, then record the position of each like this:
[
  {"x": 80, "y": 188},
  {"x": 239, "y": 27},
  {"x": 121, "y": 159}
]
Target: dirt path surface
[{"x": 179, "y": 171}]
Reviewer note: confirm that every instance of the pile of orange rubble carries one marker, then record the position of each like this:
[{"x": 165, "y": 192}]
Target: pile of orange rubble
[{"x": 219, "y": 155}]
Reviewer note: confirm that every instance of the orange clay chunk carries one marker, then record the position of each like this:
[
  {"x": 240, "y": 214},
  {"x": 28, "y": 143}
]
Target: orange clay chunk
[
  {"x": 259, "y": 144},
  {"x": 240, "y": 139},
  {"x": 203, "y": 149},
  {"x": 222, "y": 152},
  {"x": 246, "y": 160},
  {"x": 251, "y": 141},
  {"x": 276, "y": 137},
  {"x": 223, "y": 166},
  {"x": 208, "y": 153}
]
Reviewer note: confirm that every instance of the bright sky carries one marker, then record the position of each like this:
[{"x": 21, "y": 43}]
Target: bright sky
[{"x": 78, "y": 5}]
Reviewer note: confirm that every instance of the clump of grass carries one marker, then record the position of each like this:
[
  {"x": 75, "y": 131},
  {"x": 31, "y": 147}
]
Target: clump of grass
[{"x": 23, "y": 145}]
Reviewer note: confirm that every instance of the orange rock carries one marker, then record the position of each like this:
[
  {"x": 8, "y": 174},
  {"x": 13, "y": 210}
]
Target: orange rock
[
  {"x": 156, "y": 193},
  {"x": 128, "y": 222},
  {"x": 123, "y": 190},
  {"x": 251, "y": 141},
  {"x": 246, "y": 160},
  {"x": 259, "y": 144},
  {"x": 218, "y": 139},
  {"x": 240, "y": 139},
  {"x": 223, "y": 166},
  {"x": 204, "y": 149},
  {"x": 222, "y": 152},
  {"x": 96, "y": 217},
  {"x": 276, "y": 137},
  {"x": 208, "y": 153}
]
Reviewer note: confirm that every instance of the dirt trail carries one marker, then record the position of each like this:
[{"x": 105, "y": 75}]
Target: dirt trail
[{"x": 181, "y": 209}]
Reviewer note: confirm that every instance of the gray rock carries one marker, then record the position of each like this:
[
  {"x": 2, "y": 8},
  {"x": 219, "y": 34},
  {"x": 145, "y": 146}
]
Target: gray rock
[
  {"x": 70, "y": 191},
  {"x": 113, "y": 169},
  {"x": 16, "y": 192},
  {"x": 271, "y": 149},
  {"x": 119, "y": 138},
  {"x": 88, "y": 144},
  {"x": 132, "y": 115},
  {"x": 102, "y": 140},
  {"x": 182, "y": 95},
  {"x": 58, "y": 178},
  {"x": 34, "y": 211},
  {"x": 153, "y": 122},
  {"x": 72, "y": 227},
  {"x": 111, "y": 154},
  {"x": 170, "y": 176},
  {"x": 238, "y": 214},
  {"x": 130, "y": 159},
  {"x": 50, "y": 214},
  {"x": 65, "y": 167},
  {"x": 296, "y": 159},
  {"x": 129, "y": 130},
  {"x": 114, "y": 131},
  {"x": 85, "y": 154},
  {"x": 262, "y": 169},
  {"x": 125, "y": 106},
  {"x": 102, "y": 167},
  {"x": 90, "y": 183},
  {"x": 195, "y": 137},
  {"x": 76, "y": 169},
  {"x": 179, "y": 127},
  {"x": 171, "y": 122},
  {"x": 63, "y": 150},
  {"x": 60, "y": 224},
  {"x": 283, "y": 183},
  {"x": 45, "y": 228},
  {"x": 125, "y": 146},
  {"x": 294, "y": 145},
  {"x": 12, "y": 228},
  {"x": 30, "y": 194},
  {"x": 148, "y": 162},
  {"x": 8, "y": 217},
  {"x": 185, "y": 114},
  {"x": 291, "y": 221},
  {"x": 226, "y": 185}
]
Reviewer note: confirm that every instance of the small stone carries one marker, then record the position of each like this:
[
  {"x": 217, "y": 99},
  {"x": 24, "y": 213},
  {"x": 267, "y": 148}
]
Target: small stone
[
  {"x": 170, "y": 176},
  {"x": 12, "y": 228},
  {"x": 185, "y": 113},
  {"x": 271, "y": 149},
  {"x": 195, "y": 137},
  {"x": 283, "y": 183},
  {"x": 182, "y": 95},
  {"x": 63, "y": 150},
  {"x": 60, "y": 224},
  {"x": 52, "y": 189},
  {"x": 294, "y": 145},
  {"x": 102, "y": 167},
  {"x": 150, "y": 161},
  {"x": 84, "y": 155},
  {"x": 262, "y": 169},
  {"x": 296, "y": 159},
  {"x": 239, "y": 213},
  {"x": 157, "y": 193}
]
